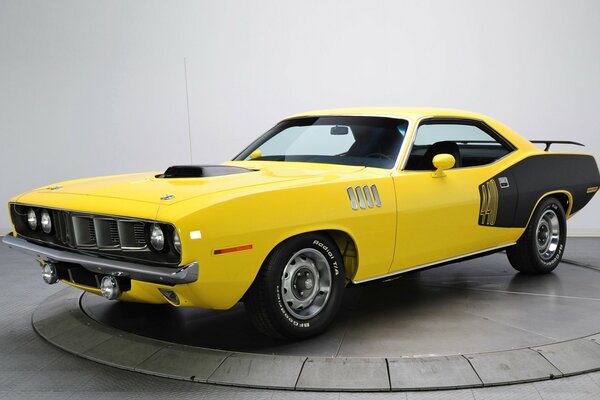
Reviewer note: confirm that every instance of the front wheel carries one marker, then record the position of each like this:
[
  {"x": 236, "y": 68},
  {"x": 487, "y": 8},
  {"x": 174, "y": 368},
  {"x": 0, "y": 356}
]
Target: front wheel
[
  {"x": 541, "y": 247},
  {"x": 299, "y": 288}
]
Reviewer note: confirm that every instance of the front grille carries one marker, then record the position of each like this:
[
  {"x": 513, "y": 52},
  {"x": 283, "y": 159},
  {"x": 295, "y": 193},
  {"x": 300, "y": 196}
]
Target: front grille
[
  {"x": 139, "y": 234},
  {"x": 113, "y": 236},
  {"x": 92, "y": 231},
  {"x": 61, "y": 226},
  {"x": 107, "y": 233}
]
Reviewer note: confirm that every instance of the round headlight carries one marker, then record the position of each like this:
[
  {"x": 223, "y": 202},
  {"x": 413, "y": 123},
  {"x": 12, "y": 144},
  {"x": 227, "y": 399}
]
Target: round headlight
[
  {"x": 157, "y": 238},
  {"x": 176, "y": 241},
  {"x": 45, "y": 221},
  {"x": 32, "y": 219}
]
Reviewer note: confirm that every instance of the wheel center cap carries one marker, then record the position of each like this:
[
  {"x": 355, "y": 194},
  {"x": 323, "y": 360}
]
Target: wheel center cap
[{"x": 308, "y": 283}]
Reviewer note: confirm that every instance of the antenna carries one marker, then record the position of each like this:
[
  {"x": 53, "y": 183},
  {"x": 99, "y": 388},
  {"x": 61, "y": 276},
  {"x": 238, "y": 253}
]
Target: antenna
[{"x": 187, "y": 99}]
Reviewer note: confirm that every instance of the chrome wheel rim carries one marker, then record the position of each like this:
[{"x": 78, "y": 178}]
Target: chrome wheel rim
[
  {"x": 306, "y": 284},
  {"x": 547, "y": 235}
]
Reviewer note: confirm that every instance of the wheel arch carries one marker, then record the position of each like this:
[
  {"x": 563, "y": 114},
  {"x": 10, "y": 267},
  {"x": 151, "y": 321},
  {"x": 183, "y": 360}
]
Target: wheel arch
[
  {"x": 345, "y": 243},
  {"x": 347, "y": 248},
  {"x": 564, "y": 196}
]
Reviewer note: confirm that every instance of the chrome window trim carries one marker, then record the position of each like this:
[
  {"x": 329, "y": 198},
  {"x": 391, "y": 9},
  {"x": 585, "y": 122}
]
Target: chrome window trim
[
  {"x": 412, "y": 140},
  {"x": 418, "y": 124}
]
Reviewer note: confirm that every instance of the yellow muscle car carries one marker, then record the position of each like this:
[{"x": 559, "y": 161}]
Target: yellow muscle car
[{"x": 322, "y": 200}]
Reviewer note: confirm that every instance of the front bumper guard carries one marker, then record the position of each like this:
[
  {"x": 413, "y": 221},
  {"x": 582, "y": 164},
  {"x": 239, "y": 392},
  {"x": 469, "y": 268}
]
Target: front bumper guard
[{"x": 145, "y": 273}]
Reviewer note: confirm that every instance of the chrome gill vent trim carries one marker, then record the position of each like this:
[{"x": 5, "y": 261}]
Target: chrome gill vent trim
[
  {"x": 352, "y": 197},
  {"x": 368, "y": 195},
  {"x": 363, "y": 196},
  {"x": 376, "y": 195}
]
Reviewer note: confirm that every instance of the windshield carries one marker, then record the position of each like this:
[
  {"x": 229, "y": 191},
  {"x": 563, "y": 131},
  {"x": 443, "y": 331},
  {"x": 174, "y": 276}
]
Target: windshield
[{"x": 348, "y": 140}]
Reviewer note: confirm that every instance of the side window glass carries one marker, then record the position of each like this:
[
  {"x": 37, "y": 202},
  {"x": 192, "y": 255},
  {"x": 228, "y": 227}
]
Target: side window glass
[{"x": 468, "y": 144}]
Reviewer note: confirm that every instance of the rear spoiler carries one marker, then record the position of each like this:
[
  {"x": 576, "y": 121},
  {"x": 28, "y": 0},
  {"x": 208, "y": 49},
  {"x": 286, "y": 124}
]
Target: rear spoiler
[{"x": 549, "y": 143}]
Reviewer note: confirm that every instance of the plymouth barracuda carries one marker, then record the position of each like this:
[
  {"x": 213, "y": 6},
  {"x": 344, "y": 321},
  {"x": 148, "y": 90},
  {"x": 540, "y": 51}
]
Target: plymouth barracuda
[{"x": 321, "y": 201}]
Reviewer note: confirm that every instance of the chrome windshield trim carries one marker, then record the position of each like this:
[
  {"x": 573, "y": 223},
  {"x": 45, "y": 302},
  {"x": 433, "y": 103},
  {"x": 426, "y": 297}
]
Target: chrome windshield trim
[
  {"x": 141, "y": 272},
  {"x": 409, "y": 127}
]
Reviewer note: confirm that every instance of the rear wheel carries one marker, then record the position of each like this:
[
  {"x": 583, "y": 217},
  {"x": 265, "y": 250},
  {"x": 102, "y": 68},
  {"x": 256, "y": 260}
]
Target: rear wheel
[
  {"x": 299, "y": 289},
  {"x": 541, "y": 247}
]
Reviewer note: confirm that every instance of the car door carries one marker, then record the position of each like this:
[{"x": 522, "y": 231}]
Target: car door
[{"x": 445, "y": 217}]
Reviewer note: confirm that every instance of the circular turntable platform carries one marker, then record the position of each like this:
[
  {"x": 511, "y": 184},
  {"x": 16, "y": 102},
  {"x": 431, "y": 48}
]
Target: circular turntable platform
[{"x": 469, "y": 324}]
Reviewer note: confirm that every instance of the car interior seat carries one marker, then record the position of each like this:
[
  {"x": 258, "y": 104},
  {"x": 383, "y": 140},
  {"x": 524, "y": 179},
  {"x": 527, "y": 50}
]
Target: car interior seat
[{"x": 370, "y": 140}]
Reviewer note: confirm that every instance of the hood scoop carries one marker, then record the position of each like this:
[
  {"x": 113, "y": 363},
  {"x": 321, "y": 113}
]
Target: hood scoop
[{"x": 201, "y": 171}]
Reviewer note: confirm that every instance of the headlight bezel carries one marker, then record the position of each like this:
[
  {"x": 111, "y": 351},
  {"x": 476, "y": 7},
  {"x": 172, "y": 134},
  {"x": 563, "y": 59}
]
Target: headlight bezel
[
  {"x": 169, "y": 241},
  {"x": 176, "y": 240},
  {"x": 157, "y": 238},
  {"x": 46, "y": 228},
  {"x": 32, "y": 219}
]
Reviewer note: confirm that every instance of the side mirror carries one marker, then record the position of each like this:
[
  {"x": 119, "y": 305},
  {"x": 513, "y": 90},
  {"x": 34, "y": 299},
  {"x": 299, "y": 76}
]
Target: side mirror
[
  {"x": 255, "y": 154},
  {"x": 442, "y": 162}
]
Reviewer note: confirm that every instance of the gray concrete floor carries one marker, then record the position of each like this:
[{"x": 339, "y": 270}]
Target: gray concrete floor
[
  {"x": 420, "y": 314},
  {"x": 30, "y": 368}
]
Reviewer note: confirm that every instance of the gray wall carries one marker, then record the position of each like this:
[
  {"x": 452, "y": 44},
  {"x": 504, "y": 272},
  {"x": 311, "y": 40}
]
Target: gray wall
[{"x": 96, "y": 88}]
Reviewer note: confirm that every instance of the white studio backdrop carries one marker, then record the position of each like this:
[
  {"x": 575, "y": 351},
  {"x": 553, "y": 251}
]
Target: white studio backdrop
[{"x": 93, "y": 88}]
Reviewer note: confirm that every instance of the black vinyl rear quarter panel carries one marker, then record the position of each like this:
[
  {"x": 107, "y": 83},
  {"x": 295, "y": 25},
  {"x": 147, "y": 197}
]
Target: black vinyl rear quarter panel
[{"x": 533, "y": 177}]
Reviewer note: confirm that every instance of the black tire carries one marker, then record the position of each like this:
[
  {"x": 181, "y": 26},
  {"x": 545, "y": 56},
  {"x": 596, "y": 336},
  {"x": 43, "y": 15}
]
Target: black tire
[
  {"x": 274, "y": 301},
  {"x": 541, "y": 247}
]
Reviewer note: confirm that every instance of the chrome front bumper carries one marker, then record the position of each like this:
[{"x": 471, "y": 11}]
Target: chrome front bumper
[{"x": 146, "y": 273}]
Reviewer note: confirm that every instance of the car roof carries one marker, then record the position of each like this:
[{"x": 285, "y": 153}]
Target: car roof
[{"x": 411, "y": 113}]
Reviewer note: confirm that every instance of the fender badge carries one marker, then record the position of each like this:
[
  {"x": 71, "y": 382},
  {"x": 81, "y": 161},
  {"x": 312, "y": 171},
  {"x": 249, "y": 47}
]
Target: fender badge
[
  {"x": 503, "y": 181},
  {"x": 54, "y": 187},
  {"x": 167, "y": 197},
  {"x": 592, "y": 189}
]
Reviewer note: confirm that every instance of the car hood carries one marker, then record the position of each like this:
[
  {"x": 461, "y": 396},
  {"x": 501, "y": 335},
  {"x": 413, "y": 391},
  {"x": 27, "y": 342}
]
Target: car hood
[{"x": 150, "y": 187}]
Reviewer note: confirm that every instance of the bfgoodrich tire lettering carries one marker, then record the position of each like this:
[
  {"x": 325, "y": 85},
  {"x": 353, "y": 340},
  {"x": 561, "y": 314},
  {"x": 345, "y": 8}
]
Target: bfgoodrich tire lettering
[
  {"x": 299, "y": 288},
  {"x": 542, "y": 245}
]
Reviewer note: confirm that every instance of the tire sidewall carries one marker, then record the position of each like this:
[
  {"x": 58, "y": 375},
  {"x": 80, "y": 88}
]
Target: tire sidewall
[
  {"x": 286, "y": 323},
  {"x": 540, "y": 264}
]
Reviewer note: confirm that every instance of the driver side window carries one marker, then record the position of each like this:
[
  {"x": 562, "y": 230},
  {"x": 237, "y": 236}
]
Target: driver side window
[{"x": 471, "y": 143}]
